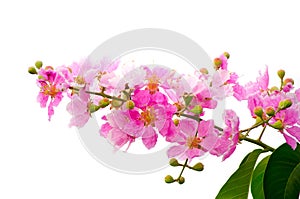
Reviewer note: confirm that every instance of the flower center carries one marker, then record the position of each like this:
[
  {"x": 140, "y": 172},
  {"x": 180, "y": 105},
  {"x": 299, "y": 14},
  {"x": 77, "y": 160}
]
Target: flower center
[
  {"x": 153, "y": 84},
  {"x": 148, "y": 116},
  {"x": 50, "y": 90},
  {"x": 193, "y": 142}
]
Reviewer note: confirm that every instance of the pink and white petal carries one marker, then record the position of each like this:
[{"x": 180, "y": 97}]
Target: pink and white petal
[
  {"x": 50, "y": 110},
  {"x": 290, "y": 141},
  {"x": 188, "y": 127},
  {"x": 117, "y": 137},
  {"x": 205, "y": 128},
  {"x": 79, "y": 120},
  {"x": 194, "y": 152},
  {"x": 209, "y": 142},
  {"x": 294, "y": 131},
  {"x": 104, "y": 130},
  {"x": 229, "y": 152},
  {"x": 176, "y": 151},
  {"x": 149, "y": 137},
  {"x": 42, "y": 99}
]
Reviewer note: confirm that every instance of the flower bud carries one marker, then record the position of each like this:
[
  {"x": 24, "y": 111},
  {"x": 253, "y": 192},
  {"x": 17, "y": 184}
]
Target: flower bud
[
  {"x": 130, "y": 104},
  {"x": 258, "y": 111},
  {"x": 274, "y": 88},
  {"x": 181, "y": 180},
  {"x": 38, "y": 64},
  {"x": 217, "y": 63},
  {"x": 173, "y": 162},
  {"x": 197, "y": 109},
  {"x": 281, "y": 74},
  {"x": 288, "y": 80},
  {"x": 226, "y": 54},
  {"x": 176, "y": 122},
  {"x": 32, "y": 70},
  {"x": 93, "y": 108},
  {"x": 116, "y": 103},
  {"x": 277, "y": 125},
  {"x": 270, "y": 111},
  {"x": 169, "y": 179},
  {"x": 204, "y": 71},
  {"x": 104, "y": 103},
  {"x": 284, "y": 104},
  {"x": 198, "y": 167},
  {"x": 49, "y": 68}
]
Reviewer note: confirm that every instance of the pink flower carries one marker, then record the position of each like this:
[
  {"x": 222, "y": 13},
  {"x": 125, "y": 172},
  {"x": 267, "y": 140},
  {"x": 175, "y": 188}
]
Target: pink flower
[
  {"x": 203, "y": 97},
  {"x": 52, "y": 85},
  {"x": 194, "y": 140},
  {"x": 227, "y": 142},
  {"x": 79, "y": 109}
]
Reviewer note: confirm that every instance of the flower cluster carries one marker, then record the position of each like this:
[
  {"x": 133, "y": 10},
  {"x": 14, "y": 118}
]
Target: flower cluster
[{"x": 149, "y": 102}]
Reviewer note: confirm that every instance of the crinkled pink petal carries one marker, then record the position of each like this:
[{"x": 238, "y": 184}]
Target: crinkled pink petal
[
  {"x": 294, "y": 131},
  {"x": 57, "y": 99},
  {"x": 297, "y": 92},
  {"x": 205, "y": 128},
  {"x": 239, "y": 92},
  {"x": 117, "y": 137},
  {"x": 263, "y": 79},
  {"x": 104, "y": 130},
  {"x": 149, "y": 137},
  {"x": 141, "y": 98},
  {"x": 209, "y": 142},
  {"x": 42, "y": 99},
  {"x": 290, "y": 141},
  {"x": 79, "y": 120},
  {"x": 188, "y": 127},
  {"x": 194, "y": 152},
  {"x": 176, "y": 151},
  {"x": 50, "y": 110}
]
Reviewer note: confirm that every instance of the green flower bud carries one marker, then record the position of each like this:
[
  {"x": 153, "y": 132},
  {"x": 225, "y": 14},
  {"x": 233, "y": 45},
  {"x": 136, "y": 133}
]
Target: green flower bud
[
  {"x": 32, "y": 70},
  {"x": 258, "y": 120},
  {"x": 198, "y": 167},
  {"x": 181, "y": 180},
  {"x": 38, "y": 64},
  {"x": 197, "y": 109},
  {"x": 217, "y": 63},
  {"x": 226, "y": 54},
  {"x": 277, "y": 125},
  {"x": 281, "y": 74},
  {"x": 104, "y": 103},
  {"x": 270, "y": 111},
  {"x": 169, "y": 179},
  {"x": 284, "y": 104},
  {"x": 288, "y": 80},
  {"x": 116, "y": 103},
  {"x": 204, "y": 71},
  {"x": 93, "y": 108},
  {"x": 258, "y": 111},
  {"x": 176, "y": 122},
  {"x": 130, "y": 104},
  {"x": 173, "y": 162},
  {"x": 274, "y": 88}
]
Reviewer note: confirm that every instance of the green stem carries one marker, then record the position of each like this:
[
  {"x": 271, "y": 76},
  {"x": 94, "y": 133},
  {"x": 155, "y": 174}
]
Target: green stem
[
  {"x": 183, "y": 167},
  {"x": 257, "y": 142},
  {"x": 262, "y": 132}
]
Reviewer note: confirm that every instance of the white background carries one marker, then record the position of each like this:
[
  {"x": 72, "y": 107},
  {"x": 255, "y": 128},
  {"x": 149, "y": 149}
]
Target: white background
[{"x": 39, "y": 159}]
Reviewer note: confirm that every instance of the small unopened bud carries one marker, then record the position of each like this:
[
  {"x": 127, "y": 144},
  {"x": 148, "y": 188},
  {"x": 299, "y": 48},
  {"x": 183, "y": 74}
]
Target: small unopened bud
[
  {"x": 32, "y": 70},
  {"x": 226, "y": 54},
  {"x": 197, "y": 109},
  {"x": 198, "y": 167},
  {"x": 93, "y": 108},
  {"x": 176, "y": 122},
  {"x": 104, "y": 103},
  {"x": 270, "y": 111},
  {"x": 130, "y": 104},
  {"x": 204, "y": 71},
  {"x": 284, "y": 104},
  {"x": 274, "y": 88},
  {"x": 181, "y": 180},
  {"x": 288, "y": 80},
  {"x": 169, "y": 179},
  {"x": 38, "y": 64},
  {"x": 173, "y": 162},
  {"x": 281, "y": 74},
  {"x": 116, "y": 103},
  {"x": 258, "y": 111},
  {"x": 277, "y": 125},
  {"x": 218, "y": 63}
]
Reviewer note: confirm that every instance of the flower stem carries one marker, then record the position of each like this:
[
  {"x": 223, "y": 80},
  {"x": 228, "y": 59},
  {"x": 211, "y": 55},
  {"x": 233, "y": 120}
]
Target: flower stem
[
  {"x": 262, "y": 132},
  {"x": 183, "y": 167},
  {"x": 257, "y": 142}
]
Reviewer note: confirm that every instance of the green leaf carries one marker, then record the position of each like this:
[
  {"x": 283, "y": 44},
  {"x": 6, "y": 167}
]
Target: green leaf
[
  {"x": 257, "y": 185},
  {"x": 187, "y": 100},
  {"x": 282, "y": 175},
  {"x": 237, "y": 185}
]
